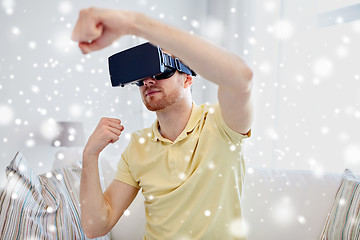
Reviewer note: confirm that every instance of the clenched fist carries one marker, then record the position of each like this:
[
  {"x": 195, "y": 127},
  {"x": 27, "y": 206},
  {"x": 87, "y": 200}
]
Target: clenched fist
[
  {"x": 107, "y": 131},
  {"x": 97, "y": 28}
]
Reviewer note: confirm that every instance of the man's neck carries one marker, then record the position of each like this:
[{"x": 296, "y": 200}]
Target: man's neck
[{"x": 173, "y": 119}]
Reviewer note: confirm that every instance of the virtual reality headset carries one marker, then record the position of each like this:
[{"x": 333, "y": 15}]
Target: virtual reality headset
[{"x": 135, "y": 64}]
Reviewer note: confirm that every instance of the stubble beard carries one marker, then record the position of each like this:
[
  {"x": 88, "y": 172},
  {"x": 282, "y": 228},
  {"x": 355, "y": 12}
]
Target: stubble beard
[{"x": 161, "y": 103}]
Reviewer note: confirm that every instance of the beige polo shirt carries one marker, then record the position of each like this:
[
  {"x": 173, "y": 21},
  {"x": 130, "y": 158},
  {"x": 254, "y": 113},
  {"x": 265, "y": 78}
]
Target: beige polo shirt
[{"x": 192, "y": 186}]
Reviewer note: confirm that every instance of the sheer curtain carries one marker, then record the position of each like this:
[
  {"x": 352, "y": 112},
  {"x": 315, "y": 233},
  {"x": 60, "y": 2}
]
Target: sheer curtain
[{"x": 306, "y": 86}]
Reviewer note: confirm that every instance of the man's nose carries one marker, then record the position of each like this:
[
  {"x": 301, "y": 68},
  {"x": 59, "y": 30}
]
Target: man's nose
[{"x": 149, "y": 81}]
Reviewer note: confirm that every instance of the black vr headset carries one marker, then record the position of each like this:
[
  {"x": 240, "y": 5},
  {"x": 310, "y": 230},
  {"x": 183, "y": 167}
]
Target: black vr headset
[{"x": 135, "y": 64}]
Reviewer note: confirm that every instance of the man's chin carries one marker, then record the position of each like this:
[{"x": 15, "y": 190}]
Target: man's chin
[{"x": 153, "y": 107}]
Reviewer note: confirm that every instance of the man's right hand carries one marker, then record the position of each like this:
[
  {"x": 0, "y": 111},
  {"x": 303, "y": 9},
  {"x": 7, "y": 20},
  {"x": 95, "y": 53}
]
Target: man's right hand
[
  {"x": 97, "y": 28},
  {"x": 107, "y": 131}
]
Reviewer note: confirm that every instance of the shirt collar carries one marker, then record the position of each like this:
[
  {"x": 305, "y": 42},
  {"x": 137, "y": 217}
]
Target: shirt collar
[{"x": 194, "y": 119}]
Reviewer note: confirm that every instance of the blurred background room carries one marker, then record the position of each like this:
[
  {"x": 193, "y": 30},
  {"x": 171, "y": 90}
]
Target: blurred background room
[{"x": 304, "y": 54}]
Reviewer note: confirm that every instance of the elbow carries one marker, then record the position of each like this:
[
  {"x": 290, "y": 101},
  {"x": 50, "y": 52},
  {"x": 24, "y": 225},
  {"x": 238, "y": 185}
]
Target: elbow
[
  {"x": 243, "y": 76},
  {"x": 249, "y": 74},
  {"x": 246, "y": 72},
  {"x": 90, "y": 234},
  {"x": 91, "y": 231},
  {"x": 245, "y": 79}
]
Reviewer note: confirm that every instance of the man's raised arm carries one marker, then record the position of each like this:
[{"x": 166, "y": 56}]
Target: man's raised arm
[{"x": 98, "y": 28}]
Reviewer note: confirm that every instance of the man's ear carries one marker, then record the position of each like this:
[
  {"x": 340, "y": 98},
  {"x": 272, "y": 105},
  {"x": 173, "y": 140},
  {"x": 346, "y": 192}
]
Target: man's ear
[{"x": 188, "y": 81}]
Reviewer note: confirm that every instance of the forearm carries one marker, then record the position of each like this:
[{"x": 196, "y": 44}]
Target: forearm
[
  {"x": 210, "y": 61},
  {"x": 94, "y": 207},
  {"x": 98, "y": 28}
]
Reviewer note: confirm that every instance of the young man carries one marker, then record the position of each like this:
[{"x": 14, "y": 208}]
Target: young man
[{"x": 189, "y": 163}]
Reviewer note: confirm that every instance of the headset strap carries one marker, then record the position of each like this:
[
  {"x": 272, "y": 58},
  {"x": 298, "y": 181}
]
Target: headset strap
[{"x": 169, "y": 61}]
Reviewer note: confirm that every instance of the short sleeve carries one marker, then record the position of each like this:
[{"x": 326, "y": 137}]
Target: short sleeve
[
  {"x": 225, "y": 130},
  {"x": 123, "y": 173}
]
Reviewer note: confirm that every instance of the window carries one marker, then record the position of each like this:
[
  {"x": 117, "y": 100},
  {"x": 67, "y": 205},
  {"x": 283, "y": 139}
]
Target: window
[{"x": 307, "y": 86}]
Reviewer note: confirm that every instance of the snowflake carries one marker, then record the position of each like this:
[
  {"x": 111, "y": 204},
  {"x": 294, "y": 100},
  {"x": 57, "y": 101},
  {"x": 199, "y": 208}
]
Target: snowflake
[
  {"x": 322, "y": 67},
  {"x": 30, "y": 143},
  {"x": 195, "y": 24},
  {"x": 59, "y": 177},
  {"x": 127, "y": 212},
  {"x": 65, "y": 7},
  {"x": 60, "y": 156},
  {"x": 48, "y": 175},
  {"x": 14, "y": 196},
  {"x": 301, "y": 219},
  {"x": 207, "y": 213},
  {"x": 352, "y": 154},
  {"x": 52, "y": 228},
  {"x": 283, "y": 29},
  {"x": 49, "y": 129},
  {"x": 76, "y": 110},
  {"x": 283, "y": 211},
  {"x": 238, "y": 228},
  {"x": 50, "y": 209},
  {"x": 16, "y": 31},
  {"x": 8, "y": 6},
  {"x": 265, "y": 67},
  {"x": 211, "y": 165},
  {"x": 232, "y": 148},
  {"x": 6, "y": 114},
  {"x": 269, "y": 6},
  {"x": 32, "y": 45}
]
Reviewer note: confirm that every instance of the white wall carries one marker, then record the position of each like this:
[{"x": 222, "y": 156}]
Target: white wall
[{"x": 307, "y": 85}]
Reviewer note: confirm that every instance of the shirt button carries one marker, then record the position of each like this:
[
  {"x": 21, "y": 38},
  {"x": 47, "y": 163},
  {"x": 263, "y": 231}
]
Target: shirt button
[{"x": 172, "y": 164}]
